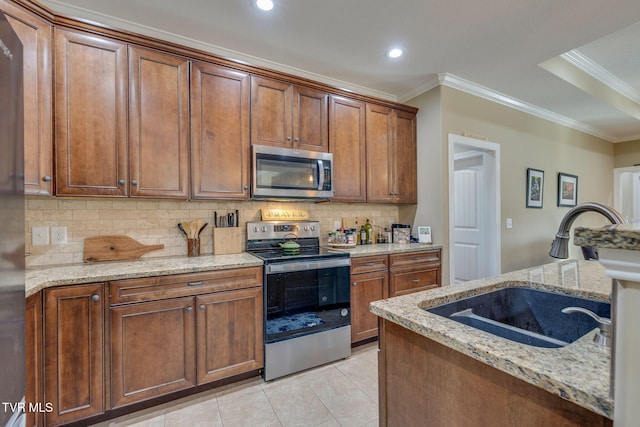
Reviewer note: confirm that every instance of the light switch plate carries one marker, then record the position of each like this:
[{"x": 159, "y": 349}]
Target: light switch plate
[
  {"x": 509, "y": 222},
  {"x": 39, "y": 236},
  {"x": 58, "y": 235}
]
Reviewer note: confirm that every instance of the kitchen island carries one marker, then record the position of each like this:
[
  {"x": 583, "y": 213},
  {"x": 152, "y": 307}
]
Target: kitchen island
[{"x": 439, "y": 372}]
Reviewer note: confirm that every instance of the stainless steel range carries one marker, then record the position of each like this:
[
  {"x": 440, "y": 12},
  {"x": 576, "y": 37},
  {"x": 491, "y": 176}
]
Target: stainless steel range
[{"x": 307, "y": 314}]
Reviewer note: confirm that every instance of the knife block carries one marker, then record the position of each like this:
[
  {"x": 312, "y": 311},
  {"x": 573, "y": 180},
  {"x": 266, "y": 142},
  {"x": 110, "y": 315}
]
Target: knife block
[{"x": 227, "y": 240}]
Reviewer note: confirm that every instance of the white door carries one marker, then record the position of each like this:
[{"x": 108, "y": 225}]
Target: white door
[
  {"x": 468, "y": 189},
  {"x": 474, "y": 209}
]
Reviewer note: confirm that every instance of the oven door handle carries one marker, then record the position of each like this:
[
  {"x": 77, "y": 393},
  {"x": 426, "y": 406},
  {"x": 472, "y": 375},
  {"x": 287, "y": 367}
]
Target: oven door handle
[{"x": 286, "y": 267}]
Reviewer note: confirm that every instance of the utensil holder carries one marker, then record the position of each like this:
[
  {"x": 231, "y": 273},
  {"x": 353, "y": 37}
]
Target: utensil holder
[
  {"x": 227, "y": 240},
  {"x": 193, "y": 247}
]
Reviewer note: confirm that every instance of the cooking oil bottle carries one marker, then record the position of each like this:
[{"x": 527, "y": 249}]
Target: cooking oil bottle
[{"x": 368, "y": 228}]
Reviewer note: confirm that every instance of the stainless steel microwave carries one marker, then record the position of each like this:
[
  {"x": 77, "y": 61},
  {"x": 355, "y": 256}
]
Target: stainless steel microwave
[{"x": 285, "y": 173}]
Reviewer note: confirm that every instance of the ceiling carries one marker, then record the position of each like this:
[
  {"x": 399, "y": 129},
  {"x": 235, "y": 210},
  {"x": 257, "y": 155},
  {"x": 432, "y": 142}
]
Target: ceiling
[{"x": 575, "y": 62}]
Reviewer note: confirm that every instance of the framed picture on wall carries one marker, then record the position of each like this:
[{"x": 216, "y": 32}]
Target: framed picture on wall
[
  {"x": 535, "y": 183},
  {"x": 567, "y": 190}
]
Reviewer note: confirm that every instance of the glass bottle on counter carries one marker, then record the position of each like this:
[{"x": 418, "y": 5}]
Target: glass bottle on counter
[
  {"x": 363, "y": 236},
  {"x": 368, "y": 228}
]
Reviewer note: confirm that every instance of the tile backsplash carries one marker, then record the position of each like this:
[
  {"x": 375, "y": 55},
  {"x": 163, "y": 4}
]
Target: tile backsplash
[{"x": 155, "y": 222}]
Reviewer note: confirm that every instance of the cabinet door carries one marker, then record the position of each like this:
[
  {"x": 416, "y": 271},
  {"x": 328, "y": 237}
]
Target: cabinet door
[
  {"x": 365, "y": 288},
  {"x": 33, "y": 357},
  {"x": 220, "y": 156},
  {"x": 230, "y": 335},
  {"x": 152, "y": 349},
  {"x": 91, "y": 115},
  {"x": 271, "y": 112},
  {"x": 310, "y": 122},
  {"x": 380, "y": 155},
  {"x": 347, "y": 143},
  {"x": 35, "y": 35},
  {"x": 73, "y": 351},
  {"x": 158, "y": 124},
  {"x": 404, "y": 139}
]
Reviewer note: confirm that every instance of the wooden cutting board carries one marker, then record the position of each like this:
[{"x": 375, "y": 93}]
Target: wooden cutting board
[{"x": 115, "y": 248}]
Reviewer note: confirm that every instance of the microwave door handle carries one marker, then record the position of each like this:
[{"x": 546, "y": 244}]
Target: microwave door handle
[{"x": 320, "y": 175}]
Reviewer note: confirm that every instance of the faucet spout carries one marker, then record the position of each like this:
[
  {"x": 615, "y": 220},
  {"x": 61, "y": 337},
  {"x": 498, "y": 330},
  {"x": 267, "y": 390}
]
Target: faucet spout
[{"x": 560, "y": 245}]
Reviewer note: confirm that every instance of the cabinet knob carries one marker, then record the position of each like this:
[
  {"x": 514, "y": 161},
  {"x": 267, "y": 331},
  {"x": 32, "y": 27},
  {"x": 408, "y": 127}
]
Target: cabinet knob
[
  {"x": 189, "y": 309},
  {"x": 202, "y": 307},
  {"x": 47, "y": 178},
  {"x": 297, "y": 139},
  {"x": 355, "y": 283},
  {"x": 121, "y": 182},
  {"x": 246, "y": 187},
  {"x": 96, "y": 297},
  {"x": 134, "y": 182},
  {"x": 288, "y": 138}
]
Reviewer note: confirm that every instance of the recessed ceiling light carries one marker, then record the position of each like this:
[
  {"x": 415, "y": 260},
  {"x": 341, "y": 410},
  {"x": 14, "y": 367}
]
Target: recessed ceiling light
[
  {"x": 265, "y": 5},
  {"x": 395, "y": 53}
]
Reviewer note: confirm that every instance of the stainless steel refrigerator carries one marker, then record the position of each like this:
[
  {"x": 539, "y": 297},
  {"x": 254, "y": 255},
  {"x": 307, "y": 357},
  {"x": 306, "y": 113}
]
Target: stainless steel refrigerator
[{"x": 12, "y": 283}]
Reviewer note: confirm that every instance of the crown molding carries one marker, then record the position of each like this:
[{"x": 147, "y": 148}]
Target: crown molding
[
  {"x": 432, "y": 82},
  {"x": 463, "y": 85},
  {"x": 583, "y": 63}
]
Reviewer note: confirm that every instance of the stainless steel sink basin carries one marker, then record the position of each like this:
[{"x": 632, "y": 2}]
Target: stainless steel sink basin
[{"x": 527, "y": 316}]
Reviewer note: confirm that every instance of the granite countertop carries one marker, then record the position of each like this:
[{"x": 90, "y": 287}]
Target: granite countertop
[
  {"x": 578, "y": 372},
  {"x": 40, "y": 278},
  {"x": 618, "y": 236},
  {"x": 388, "y": 248},
  {"x": 74, "y": 274}
]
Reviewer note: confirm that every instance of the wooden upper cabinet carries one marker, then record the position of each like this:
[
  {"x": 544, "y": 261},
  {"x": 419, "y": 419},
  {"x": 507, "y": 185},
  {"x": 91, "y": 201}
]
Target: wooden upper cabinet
[
  {"x": 74, "y": 352},
  {"x": 391, "y": 155},
  {"x": 406, "y": 162},
  {"x": 380, "y": 155},
  {"x": 347, "y": 143},
  {"x": 158, "y": 124},
  {"x": 220, "y": 152},
  {"x": 35, "y": 35},
  {"x": 91, "y": 115},
  {"x": 286, "y": 115}
]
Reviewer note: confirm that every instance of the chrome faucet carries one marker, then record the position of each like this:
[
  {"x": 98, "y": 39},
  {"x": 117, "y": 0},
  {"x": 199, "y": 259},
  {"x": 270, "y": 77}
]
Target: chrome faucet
[{"x": 560, "y": 245}]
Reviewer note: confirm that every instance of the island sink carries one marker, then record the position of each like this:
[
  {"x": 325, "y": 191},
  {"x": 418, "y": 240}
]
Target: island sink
[{"x": 527, "y": 316}]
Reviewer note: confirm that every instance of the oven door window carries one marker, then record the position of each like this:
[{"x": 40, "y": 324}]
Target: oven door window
[
  {"x": 288, "y": 173},
  {"x": 304, "y": 302}
]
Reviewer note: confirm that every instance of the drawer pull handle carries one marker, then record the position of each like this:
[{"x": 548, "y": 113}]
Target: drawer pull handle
[
  {"x": 96, "y": 297},
  {"x": 370, "y": 264},
  {"x": 189, "y": 309},
  {"x": 195, "y": 283},
  {"x": 202, "y": 307},
  {"x": 415, "y": 281}
]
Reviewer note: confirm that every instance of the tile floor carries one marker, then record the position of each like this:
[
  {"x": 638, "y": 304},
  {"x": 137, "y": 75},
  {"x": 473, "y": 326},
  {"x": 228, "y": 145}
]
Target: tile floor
[{"x": 343, "y": 393}]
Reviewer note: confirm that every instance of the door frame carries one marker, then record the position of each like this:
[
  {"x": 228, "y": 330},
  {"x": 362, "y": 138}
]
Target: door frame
[
  {"x": 617, "y": 186},
  {"x": 493, "y": 212}
]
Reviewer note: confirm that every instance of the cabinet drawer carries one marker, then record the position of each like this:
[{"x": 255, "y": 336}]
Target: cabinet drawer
[
  {"x": 410, "y": 280},
  {"x": 163, "y": 287},
  {"x": 369, "y": 263},
  {"x": 413, "y": 258}
]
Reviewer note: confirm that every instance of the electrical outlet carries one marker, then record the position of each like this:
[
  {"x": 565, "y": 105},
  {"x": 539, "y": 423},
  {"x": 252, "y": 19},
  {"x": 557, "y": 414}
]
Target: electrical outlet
[
  {"x": 337, "y": 225},
  {"x": 58, "y": 235},
  {"x": 39, "y": 236}
]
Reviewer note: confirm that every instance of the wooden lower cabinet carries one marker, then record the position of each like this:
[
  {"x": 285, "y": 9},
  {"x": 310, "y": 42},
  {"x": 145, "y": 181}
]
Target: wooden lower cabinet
[
  {"x": 74, "y": 352},
  {"x": 152, "y": 349},
  {"x": 33, "y": 358},
  {"x": 163, "y": 345},
  {"x": 229, "y": 330},
  {"x": 422, "y": 382},
  {"x": 414, "y": 271},
  {"x": 384, "y": 276},
  {"x": 366, "y": 288}
]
